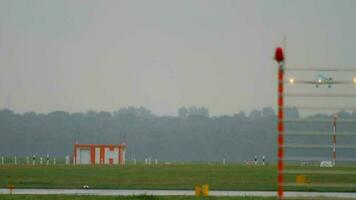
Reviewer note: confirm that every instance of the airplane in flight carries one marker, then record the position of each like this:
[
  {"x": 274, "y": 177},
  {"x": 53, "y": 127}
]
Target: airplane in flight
[
  {"x": 323, "y": 80},
  {"x": 319, "y": 80}
]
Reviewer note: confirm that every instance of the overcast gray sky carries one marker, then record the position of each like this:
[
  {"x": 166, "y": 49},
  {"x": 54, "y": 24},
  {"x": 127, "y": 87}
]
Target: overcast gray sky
[{"x": 162, "y": 54}]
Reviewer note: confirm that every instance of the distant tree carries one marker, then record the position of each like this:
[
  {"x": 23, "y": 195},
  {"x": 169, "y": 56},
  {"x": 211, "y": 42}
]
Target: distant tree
[
  {"x": 127, "y": 112},
  {"x": 6, "y": 112},
  {"x": 193, "y": 111},
  {"x": 344, "y": 114},
  {"x": 91, "y": 113},
  {"x": 203, "y": 111},
  {"x": 267, "y": 112},
  {"x": 291, "y": 113},
  {"x": 144, "y": 112},
  {"x": 198, "y": 111},
  {"x": 203, "y": 138},
  {"x": 240, "y": 115},
  {"x": 255, "y": 114},
  {"x": 183, "y": 112},
  {"x": 353, "y": 114}
]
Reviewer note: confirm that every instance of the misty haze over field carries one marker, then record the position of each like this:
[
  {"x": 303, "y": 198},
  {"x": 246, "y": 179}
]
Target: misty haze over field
[
  {"x": 192, "y": 135},
  {"x": 162, "y": 55},
  {"x": 129, "y": 71}
]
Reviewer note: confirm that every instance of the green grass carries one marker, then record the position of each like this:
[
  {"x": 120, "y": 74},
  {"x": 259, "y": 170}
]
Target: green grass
[
  {"x": 141, "y": 177},
  {"x": 331, "y": 178},
  {"x": 219, "y": 177},
  {"x": 142, "y": 197}
]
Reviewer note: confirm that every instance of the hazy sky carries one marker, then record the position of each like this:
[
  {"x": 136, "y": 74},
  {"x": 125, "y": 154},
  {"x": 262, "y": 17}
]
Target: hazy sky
[{"x": 162, "y": 54}]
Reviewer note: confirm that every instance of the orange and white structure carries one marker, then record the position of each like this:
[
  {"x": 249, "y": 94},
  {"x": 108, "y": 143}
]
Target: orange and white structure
[{"x": 99, "y": 154}]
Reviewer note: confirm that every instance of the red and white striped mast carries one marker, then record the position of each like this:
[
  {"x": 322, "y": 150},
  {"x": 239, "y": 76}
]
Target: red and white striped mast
[
  {"x": 334, "y": 139},
  {"x": 279, "y": 57}
]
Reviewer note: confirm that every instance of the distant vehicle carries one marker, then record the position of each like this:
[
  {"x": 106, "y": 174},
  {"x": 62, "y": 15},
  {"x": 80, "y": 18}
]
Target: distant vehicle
[{"x": 326, "y": 163}]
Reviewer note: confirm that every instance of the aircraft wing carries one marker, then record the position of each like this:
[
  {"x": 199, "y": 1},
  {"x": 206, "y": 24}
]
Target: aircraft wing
[
  {"x": 340, "y": 82},
  {"x": 326, "y": 82}
]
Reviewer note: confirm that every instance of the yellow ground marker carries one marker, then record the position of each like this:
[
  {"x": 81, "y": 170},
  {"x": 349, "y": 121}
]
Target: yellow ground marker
[
  {"x": 301, "y": 179},
  {"x": 198, "y": 190},
  {"x": 202, "y": 190},
  {"x": 10, "y": 187},
  {"x": 205, "y": 190}
]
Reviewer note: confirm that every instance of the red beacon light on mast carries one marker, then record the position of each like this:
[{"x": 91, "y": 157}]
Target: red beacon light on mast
[{"x": 279, "y": 56}]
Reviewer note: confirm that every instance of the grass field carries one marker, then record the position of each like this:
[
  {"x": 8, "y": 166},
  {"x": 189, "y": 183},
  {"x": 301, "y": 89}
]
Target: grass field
[
  {"x": 219, "y": 177},
  {"x": 142, "y": 197},
  {"x": 64, "y": 197},
  {"x": 140, "y": 177}
]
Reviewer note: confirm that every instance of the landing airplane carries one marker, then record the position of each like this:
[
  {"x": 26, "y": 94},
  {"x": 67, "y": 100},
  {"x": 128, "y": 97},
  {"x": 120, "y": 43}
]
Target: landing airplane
[
  {"x": 323, "y": 80},
  {"x": 319, "y": 80}
]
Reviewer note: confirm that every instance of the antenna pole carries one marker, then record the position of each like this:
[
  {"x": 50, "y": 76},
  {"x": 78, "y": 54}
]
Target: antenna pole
[
  {"x": 279, "y": 57},
  {"x": 334, "y": 139}
]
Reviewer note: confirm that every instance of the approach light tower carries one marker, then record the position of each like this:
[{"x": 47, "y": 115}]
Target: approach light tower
[
  {"x": 279, "y": 57},
  {"x": 334, "y": 139}
]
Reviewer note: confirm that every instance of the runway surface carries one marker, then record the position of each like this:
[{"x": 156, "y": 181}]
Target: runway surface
[{"x": 121, "y": 192}]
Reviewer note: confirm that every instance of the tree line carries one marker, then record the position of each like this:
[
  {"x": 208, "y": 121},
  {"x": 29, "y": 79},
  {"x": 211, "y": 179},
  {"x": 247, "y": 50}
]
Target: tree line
[{"x": 192, "y": 135}]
